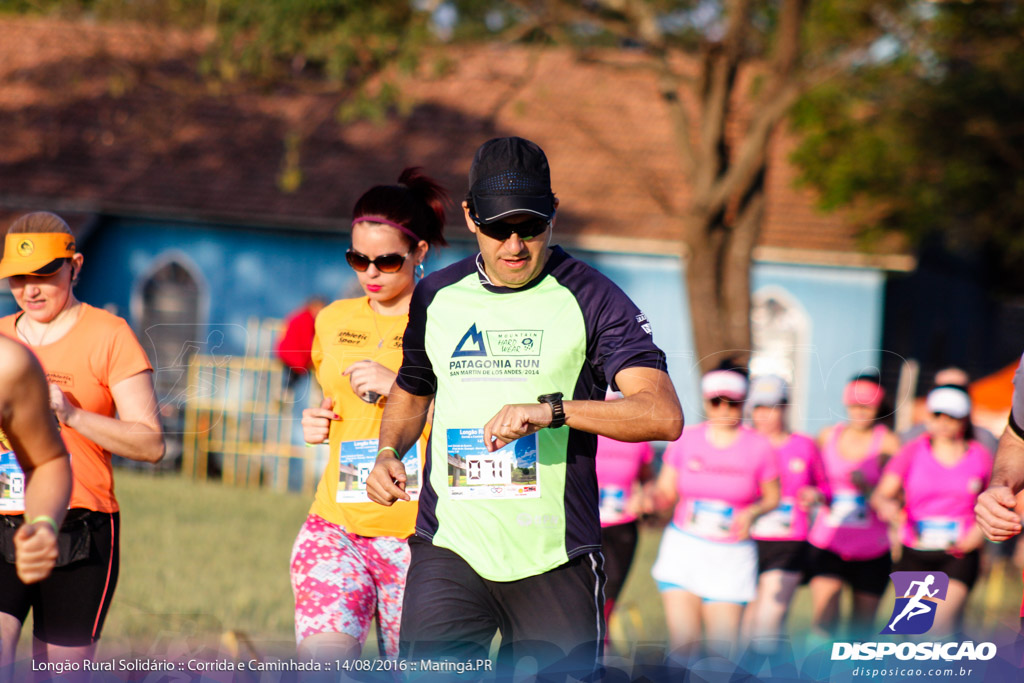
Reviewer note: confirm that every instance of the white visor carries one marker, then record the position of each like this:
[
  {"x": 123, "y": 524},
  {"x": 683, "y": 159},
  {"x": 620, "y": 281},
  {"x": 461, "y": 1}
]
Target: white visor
[
  {"x": 731, "y": 385},
  {"x": 949, "y": 401}
]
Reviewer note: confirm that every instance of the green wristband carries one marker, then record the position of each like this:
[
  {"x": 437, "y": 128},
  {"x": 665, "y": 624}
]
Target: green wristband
[
  {"x": 389, "y": 448},
  {"x": 47, "y": 518}
]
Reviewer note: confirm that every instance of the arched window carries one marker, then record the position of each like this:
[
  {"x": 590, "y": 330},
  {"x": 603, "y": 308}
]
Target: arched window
[
  {"x": 780, "y": 328},
  {"x": 169, "y": 306}
]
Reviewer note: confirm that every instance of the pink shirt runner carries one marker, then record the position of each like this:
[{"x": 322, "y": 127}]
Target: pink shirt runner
[
  {"x": 848, "y": 526},
  {"x": 715, "y": 484},
  {"x": 799, "y": 464},
  {"x": 618, "y": 466},
  {"x": 939, "y": 499}
]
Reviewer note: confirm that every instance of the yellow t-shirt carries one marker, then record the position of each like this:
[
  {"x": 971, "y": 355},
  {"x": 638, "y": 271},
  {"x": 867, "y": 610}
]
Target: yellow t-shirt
[{"x": 348, "y": 331}]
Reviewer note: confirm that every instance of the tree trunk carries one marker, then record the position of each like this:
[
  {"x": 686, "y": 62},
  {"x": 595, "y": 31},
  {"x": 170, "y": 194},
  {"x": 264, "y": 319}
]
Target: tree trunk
[{"x": 718, "y": 280}]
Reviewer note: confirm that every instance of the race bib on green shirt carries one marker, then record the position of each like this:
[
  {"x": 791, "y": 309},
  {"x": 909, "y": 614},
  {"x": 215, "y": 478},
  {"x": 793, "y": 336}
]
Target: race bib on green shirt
[{"x": 476, "y": 474}]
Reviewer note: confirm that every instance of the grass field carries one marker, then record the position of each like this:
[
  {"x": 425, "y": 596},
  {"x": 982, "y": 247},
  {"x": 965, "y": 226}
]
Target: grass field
[{"x": 205, "y": 566}]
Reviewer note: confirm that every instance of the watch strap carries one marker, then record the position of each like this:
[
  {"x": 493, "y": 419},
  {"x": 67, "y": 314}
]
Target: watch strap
[{"x": 557, "y": 409}]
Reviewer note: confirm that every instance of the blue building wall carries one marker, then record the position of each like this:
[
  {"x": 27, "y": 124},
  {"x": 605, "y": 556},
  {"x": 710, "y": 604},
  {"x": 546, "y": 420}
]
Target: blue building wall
[
  {"x": 268, "y": 273},
  {"x": 845, "y": 310}
]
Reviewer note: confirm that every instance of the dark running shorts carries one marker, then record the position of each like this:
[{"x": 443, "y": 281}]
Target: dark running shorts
[
  {"x": 70, "y": 606},
  {"x": 450, "y": 612},
  {"x": 863, "y": 576},
  {"x": 789, "y": 556},
  {"x": 964, "y": 569}
]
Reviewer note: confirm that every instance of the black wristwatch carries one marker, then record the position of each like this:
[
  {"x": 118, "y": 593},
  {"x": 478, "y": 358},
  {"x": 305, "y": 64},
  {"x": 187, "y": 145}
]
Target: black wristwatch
[{"x": 557, "y": 411}]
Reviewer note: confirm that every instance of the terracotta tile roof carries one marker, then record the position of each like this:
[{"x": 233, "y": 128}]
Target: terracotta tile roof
[{"x": 114, "y": 118}]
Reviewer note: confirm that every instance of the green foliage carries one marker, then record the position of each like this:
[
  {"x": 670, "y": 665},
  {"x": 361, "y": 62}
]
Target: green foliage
[
  {"x": 933, "y": 137},
  {"x": 345, "y": 41},
  {"x": 174, "y": 12}
]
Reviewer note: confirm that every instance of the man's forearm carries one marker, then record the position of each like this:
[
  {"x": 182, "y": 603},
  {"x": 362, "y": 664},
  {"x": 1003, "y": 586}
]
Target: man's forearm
[
  {"x": 404, "y": 417},
  {"x": 1009, "y": 466},
  {"x": 645, "y": 416}
]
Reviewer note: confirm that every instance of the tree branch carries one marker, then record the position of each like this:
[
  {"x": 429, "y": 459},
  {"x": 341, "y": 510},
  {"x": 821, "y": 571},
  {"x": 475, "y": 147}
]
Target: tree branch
[{"x": 743, "y": 170}]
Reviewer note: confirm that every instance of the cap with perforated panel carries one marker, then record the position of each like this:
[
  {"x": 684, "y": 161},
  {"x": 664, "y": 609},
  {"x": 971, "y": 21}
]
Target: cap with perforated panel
[{"x": 510, "y": 176}]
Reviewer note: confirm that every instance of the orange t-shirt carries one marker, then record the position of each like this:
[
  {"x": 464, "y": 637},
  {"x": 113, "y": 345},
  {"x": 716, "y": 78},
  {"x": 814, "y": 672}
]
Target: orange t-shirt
[
  {"x": 97, "y": 353},
  {"x": 348, "y": 331}
]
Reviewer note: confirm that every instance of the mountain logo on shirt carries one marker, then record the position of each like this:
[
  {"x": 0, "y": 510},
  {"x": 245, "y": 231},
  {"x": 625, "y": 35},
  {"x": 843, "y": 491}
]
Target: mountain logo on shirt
[{"x": 471, "y": 344}]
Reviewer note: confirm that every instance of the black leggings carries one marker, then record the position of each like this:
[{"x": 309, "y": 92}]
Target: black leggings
[{"x": 70, "y": 606}]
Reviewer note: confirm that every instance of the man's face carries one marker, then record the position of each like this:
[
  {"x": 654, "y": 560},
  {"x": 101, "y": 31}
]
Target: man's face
[{"x": 515, "y": 261}]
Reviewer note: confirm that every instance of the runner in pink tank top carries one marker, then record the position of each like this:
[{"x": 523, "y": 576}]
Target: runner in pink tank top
[
  {"x": 849, "y": 543},
  {"x": 848, "y": 526},
  {"x": 721, "y": 477},
  {"x": 781, "y": 534},
  {"x": 940, "y": 475}
]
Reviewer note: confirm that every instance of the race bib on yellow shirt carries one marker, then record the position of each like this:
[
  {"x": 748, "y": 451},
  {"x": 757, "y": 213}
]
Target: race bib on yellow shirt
[{"x": 356, "y": 459}]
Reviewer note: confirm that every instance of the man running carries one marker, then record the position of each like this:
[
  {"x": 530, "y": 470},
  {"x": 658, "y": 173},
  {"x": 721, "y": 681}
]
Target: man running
[
  {"x": 508, "y": 535},
  {"x": 40, "y": 482},
  {"x": 996, "y": 510}
]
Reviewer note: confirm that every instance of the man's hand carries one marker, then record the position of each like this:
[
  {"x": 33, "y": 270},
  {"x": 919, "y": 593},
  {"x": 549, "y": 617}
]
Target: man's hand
[
  {"x": 386, "y": 482},
  {"x": 995, "y": 513},
  {"x": 514, "y": 422},
  {"x": 35, "y": 547}
]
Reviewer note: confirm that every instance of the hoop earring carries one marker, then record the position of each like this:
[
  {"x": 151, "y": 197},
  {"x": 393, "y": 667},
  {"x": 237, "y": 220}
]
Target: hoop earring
[{"x": 420, "y": 271}]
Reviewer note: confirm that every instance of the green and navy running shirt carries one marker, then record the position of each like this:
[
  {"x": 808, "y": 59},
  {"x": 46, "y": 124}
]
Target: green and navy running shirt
[{"x": 532, "y": 505}]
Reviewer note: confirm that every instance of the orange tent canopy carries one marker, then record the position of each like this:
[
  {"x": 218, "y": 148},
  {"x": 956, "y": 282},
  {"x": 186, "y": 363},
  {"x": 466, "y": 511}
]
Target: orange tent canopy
[{"x": 994, "y": 392}]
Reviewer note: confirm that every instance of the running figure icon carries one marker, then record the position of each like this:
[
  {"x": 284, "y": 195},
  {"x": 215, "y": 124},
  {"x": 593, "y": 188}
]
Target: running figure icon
[{"x": 915, "y": 606}]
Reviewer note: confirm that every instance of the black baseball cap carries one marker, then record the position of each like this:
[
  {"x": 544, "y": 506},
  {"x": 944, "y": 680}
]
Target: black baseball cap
[{"x": 510, "y": 176}]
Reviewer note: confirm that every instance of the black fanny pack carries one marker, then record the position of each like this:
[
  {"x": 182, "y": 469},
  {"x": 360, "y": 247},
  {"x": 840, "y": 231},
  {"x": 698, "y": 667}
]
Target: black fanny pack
[{"x": 74, "y": 542}]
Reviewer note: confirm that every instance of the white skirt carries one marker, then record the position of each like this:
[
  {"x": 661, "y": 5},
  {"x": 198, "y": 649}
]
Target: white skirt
[{"x": 713, "y": 570}]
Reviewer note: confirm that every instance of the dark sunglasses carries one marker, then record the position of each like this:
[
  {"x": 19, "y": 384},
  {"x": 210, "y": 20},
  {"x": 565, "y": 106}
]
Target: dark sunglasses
[
  {"x": 938, "y": 415},
  {"x": 719, "y": 400},
  {"x": 502, "y": 230},
  {"x": 386, "y": 263}
]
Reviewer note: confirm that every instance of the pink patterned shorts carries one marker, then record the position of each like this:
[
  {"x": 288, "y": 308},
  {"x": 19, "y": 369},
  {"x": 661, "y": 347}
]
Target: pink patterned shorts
[{"x": 341, "y": 581}]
